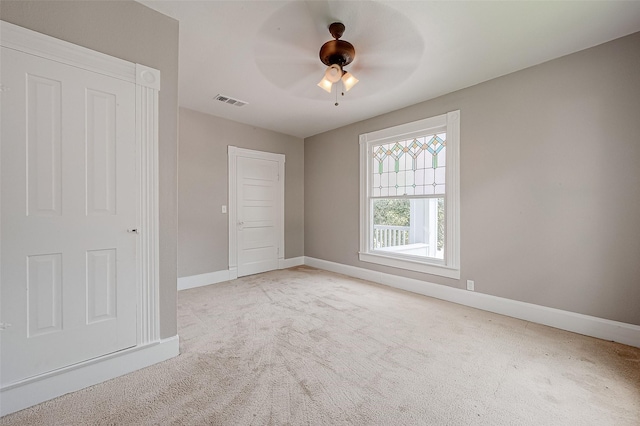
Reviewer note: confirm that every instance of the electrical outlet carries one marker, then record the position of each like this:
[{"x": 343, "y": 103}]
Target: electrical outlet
[
  {"x": 224, "y": 209},
  {"x": 470, "y": 285}
]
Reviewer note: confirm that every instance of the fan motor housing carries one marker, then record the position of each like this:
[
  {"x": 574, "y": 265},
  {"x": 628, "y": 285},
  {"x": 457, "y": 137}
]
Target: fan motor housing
[{"x": 337, "y": 52}]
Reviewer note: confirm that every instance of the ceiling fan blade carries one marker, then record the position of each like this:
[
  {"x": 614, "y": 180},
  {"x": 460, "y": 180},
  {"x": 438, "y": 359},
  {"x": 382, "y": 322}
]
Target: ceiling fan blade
[{"x": 286, "y": 50}]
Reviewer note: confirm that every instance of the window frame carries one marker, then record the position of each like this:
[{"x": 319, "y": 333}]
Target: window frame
[{"x": 450, "y": 266}]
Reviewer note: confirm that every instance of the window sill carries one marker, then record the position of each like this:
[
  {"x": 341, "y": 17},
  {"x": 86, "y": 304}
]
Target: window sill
[{"x": 410, "y": 265}]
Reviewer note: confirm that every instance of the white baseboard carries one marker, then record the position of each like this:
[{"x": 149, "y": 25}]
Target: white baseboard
[
  {"x": 44, "y": 387},
  {"x": 290, "y": 263},
  {"x": 628, "y": 334},
  {"x": 194, "y": 281}
]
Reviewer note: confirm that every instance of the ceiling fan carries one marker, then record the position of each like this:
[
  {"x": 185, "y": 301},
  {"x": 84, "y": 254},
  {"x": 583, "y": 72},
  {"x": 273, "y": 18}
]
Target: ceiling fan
[
  {"x": 337, "y": 54},
  {"x": 287, "y": 50}
]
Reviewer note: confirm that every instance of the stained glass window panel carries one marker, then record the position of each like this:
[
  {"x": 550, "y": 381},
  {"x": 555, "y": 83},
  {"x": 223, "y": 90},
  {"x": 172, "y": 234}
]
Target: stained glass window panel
[{"x": 414, "y": 166}]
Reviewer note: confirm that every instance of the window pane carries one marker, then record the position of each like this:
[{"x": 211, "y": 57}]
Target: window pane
[
  {"x": 439, "y": 176},
  {"x": 412, "y": 166},
  {"x": 384, "y": 180},
  {"x": 409, "y": 226},
  {"x": 429, "y": 177}
]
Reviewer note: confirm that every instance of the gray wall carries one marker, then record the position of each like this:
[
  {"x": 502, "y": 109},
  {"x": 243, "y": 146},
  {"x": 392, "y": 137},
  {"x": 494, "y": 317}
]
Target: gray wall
[
  {"x": 203, "y": 234},
  {"x": 550, "y": 184},
  {"x": 131, "y": 31}
]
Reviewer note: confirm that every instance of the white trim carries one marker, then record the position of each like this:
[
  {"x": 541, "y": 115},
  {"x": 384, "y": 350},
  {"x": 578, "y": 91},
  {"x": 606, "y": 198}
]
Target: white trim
[
  {"x": 233, "y": 273},
  {"x": 70, "y": 379},
  {"x": 233, "y": 154},
  {"x": 291, "y": 262},
  {"x": 233, "y": 217},
  {"x": 425, "y": 268},
  {"x": 200, "y": 280},
  {"x": 27, "y": 41},
  {"x": 451, "y": 123},
  {"x": 452, "y": 198},
  {"x": 407, "y": 130},
  {"x": 149, "y": 279},
  {"x": 628, "y": 334},
  {"x": 147, "y": 77}
]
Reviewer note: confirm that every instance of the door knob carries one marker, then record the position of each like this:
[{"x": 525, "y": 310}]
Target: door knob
[{"x": 133, "y": 231}]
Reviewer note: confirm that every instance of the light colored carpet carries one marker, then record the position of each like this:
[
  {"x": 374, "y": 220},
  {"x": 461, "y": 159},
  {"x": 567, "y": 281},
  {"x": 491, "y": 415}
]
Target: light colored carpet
[{"x": 304, "y": 346}]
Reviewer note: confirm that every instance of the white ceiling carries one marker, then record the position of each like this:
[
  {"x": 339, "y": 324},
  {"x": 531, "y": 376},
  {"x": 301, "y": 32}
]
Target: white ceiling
[{"x": 266, "y": 52}]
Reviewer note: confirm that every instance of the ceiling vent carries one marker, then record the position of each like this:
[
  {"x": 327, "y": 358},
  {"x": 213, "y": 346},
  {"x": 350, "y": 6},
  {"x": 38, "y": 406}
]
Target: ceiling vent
[{"x": 230, "y": 101}]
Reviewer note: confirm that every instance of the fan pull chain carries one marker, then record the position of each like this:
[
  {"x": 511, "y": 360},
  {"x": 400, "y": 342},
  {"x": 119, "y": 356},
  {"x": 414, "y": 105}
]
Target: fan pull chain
[{"x": 336, "y": 95}]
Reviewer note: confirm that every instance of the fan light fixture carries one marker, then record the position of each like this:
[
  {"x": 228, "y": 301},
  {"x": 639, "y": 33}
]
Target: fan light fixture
[{"x": 337, "y": 54}]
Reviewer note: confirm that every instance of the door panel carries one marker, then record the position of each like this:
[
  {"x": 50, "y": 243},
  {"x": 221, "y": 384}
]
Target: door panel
[
  {"x": 101, "y": 153},
  {"x": 69, "y": 194},
  {"x": 44, "y": 146},
  {"x": 101, "y": 285},
  {"x": 44, "y": 287}
]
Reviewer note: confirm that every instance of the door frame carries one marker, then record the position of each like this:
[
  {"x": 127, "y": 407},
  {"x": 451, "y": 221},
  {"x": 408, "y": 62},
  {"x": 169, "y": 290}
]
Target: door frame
[
  {"x": 234, "y": 153},
  {"x": 147, "y": 86}
]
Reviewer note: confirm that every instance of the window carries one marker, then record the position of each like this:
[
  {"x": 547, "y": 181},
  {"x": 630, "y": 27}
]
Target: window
[{"x": 409, "y": 196}]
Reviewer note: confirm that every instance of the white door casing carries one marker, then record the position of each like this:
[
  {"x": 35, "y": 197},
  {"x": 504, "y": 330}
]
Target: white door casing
[
  {"x": 104, "y": 266},
  {"x": 256, "y": 213}
]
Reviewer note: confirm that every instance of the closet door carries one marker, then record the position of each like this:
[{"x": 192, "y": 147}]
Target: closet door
[
  {"x": 258, "y": 209},
  {"x": 68, "y": 211}
]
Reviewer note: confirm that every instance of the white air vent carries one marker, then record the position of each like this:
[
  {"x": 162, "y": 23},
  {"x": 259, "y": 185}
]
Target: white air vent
[{"x": 230, "y": 101}]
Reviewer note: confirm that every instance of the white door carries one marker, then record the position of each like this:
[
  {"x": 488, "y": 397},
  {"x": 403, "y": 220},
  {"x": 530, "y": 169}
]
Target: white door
[
  {"x": 260, "y": 210},
  {"x": 69, "y": 194}
]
